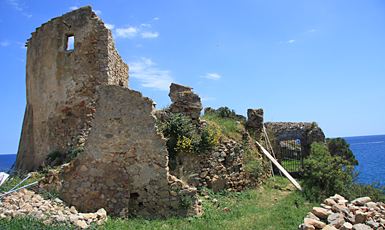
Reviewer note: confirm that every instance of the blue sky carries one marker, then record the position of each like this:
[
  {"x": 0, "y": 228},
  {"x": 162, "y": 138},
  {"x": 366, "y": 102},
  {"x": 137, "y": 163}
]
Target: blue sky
[{"x": 314, "y": 60}]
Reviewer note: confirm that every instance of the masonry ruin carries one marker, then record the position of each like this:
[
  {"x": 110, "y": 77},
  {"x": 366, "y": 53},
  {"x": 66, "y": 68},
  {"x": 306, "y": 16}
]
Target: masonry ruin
[
  {"x": 78, "y": 100},
  {"x": 80, "y": 110},
  {"x": 305, "y": 132}
]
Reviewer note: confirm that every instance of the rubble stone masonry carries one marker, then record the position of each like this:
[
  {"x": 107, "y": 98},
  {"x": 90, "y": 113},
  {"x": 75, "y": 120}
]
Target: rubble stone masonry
[
  {"x": 61, "y": 83},
  {"x": 124, "y": 165},
  {"x": 186, "y": 102},
  {"x": 79, "y": 98}
]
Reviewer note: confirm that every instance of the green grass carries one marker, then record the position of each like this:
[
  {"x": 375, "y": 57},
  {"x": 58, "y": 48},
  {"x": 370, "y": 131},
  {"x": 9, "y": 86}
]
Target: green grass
[
  {"x": 230, "y": 128},
  {"x": 273, "y": 207},
  {"x": 291, "y": 165},
  {"x": 16, "y": 179},
  {"x": 278, "y": 205}
]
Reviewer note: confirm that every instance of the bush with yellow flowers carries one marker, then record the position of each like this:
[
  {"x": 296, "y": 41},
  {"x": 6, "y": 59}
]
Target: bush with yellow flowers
[
  {"x": 210, "y": 136},
  {"x": 182, "y": 137}
]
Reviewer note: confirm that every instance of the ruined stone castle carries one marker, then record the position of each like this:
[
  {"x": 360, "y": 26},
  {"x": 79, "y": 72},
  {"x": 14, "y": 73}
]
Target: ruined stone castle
[
  {"x": 80, "y": 98},
  {"x": 78, "y": 102}
]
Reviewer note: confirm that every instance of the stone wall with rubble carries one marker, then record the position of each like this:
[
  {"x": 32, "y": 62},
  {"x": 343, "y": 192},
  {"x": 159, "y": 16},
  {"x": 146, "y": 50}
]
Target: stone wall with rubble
[
  {"x": 222, "y": 168},
  {"x": 306, "y": 132},
  {"x": 80, "y": 99},
  {"x": 61, "y": 84},
  {"x": 125, "y": 161},
  {"x": 254, "y": 123}
]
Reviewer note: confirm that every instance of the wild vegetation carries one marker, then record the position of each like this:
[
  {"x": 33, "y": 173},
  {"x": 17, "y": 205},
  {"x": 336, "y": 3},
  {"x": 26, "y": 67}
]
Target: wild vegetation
[
  {"x": 330, "y": 169},
  {"x": 230, "y": 125},
  {"x": 183, "y": 137},
  {"x": 233, "y": 126}
]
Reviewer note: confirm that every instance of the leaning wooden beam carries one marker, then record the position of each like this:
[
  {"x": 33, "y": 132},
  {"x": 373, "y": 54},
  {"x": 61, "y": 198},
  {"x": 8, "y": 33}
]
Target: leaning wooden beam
[
  {"x": 269, "y": 145},
  {"x": 279, "y": 166}
]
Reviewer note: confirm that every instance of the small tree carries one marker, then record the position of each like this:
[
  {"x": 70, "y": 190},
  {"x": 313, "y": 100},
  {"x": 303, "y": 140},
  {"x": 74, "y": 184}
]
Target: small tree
[
  {"x": 325, "y": 174},
  {"x": 339, "y": 147}
]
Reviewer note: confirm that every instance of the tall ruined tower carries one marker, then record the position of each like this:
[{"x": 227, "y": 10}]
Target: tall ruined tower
[
  {"x": 61, "y": 83},
  {"x": 79, "y": 98}
]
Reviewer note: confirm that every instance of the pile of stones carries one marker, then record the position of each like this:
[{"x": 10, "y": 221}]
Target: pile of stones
[
  {"x": 337, "y": 213},
  {"x": 23, "y": 203}
]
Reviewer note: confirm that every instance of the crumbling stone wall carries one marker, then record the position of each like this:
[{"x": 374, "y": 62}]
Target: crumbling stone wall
[
  {"x": 306, "y": 132},
  {"x": 222, "y": 168},
  {"x": 218, "y": 169},
  {"x": 124, "y": 165},
  {"x": 61, "y": 84},
  {"x": 185, "y": 101},
  {"x": 254, "y": 123},
  {"x": 80, "y": 98}
]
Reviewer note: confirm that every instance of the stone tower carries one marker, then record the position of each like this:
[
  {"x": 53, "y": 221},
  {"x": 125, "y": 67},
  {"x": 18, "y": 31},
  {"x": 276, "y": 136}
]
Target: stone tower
[
  {"x": 79, "y": 98},
  {"x": 61, "y": 83}
]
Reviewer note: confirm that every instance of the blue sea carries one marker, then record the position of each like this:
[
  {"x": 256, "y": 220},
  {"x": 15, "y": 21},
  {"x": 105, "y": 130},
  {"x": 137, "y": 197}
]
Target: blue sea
[
  {"x": 370, "y": 153},
  {"x": 6, "y": 162}
]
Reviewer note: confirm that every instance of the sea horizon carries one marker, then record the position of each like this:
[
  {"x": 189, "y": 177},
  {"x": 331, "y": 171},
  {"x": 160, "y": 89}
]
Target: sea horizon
[{"x": 365, "y": 149}]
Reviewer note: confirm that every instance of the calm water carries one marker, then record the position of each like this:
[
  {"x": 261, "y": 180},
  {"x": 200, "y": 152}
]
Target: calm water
[
  {"x": 6, "y": 162},
  {"x": 370, "y": 153}
]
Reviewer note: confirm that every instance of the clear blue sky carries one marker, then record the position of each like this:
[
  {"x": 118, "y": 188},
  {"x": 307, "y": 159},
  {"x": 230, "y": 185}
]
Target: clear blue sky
[{"x": 313, "y": 60}]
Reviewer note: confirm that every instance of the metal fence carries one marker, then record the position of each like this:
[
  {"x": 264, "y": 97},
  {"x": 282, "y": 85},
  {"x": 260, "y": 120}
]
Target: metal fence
[{"x": 291, "y": 155}]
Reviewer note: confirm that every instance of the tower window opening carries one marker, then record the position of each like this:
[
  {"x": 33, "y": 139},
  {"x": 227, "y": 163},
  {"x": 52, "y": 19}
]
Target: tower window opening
[{"x": 70, "y": 42}]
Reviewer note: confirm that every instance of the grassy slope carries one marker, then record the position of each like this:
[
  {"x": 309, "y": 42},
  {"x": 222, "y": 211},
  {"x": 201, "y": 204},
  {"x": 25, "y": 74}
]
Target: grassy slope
[
  {"x": 229, "y": 127},
  {"x": 276, "y": 206}
]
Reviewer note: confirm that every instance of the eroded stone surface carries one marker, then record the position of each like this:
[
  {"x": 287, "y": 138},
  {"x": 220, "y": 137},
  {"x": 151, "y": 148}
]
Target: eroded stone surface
[
  {"x": 126, "y": 160},
  {"x": 185, "y": 101},
  {"x": 254, "y": 122},
  {"x": 218, "y": 169},
  {"x": 80, "y": 99},
  {"x": 61, "y": 84}
]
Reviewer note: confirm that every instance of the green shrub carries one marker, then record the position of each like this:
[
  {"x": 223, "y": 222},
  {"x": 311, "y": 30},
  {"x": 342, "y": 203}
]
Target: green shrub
[
  {"x": 229, "y": 127},
  {"x": 225, "y": 112},
  {"x": 182, "y": 137},
  {"x": 375, "y": 191},
  {"x": 74, "y": 153},
  {"x": 325, "y": 174},
  {"x": 339, "y": 147},
  {"x": 180, "y": 134},
  {"x": 210, "y": 136},
  {"x": 185, "y": 201}
]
